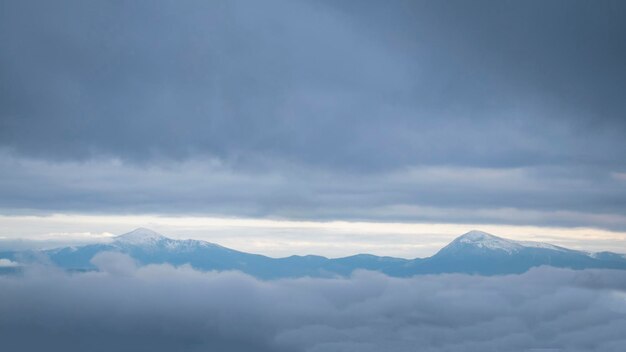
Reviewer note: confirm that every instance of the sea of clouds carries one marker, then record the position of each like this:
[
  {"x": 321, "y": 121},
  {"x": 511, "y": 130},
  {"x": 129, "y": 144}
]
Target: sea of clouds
[{"x": 124, "y": 307}]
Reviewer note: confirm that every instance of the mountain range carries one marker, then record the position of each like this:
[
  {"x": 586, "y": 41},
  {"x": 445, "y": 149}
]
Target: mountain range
[{"x": 475, "y": 252}]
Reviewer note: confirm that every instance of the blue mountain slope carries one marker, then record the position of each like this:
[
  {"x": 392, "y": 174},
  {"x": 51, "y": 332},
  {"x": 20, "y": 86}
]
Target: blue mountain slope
[
  {"x": 474, "y": 253},
  {"x": 481, "y": 253}
]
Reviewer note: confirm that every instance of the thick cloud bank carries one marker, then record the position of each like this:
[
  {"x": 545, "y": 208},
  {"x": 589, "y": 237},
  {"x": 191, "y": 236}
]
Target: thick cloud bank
[
  {"x": 162, "y": 308},
  {"x": 489, "y": 112}
]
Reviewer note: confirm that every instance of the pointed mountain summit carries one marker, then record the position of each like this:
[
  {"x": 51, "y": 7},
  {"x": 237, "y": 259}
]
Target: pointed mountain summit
[
  {"x": 140, "y": 235},
  {"x": 482, "y": 240},
  {"x": 476, "y": 236}
]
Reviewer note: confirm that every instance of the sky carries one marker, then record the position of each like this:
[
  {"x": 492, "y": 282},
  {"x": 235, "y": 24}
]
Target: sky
[{"x": 266, "y": 124}]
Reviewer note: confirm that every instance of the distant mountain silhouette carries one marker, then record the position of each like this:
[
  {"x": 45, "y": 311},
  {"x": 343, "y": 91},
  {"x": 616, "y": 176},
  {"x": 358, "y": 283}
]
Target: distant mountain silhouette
[{"x": 475, "y": 252}]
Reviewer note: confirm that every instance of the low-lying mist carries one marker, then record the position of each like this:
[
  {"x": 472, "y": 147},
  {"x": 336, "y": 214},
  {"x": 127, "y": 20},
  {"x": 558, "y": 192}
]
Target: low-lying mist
[{"x": 155, "y": 308}]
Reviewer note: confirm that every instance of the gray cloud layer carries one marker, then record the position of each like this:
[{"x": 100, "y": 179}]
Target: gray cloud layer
[
  {"x": 487, "y": 83},
  {"x": 341, "y": 93},
  {"x": 537, "y": 196},
  {"x": 161, "y": 308}
]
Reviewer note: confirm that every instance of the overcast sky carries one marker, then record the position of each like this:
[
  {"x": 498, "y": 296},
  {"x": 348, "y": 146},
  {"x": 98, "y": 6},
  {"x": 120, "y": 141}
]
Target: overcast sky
[{"x": 506, "y": 113}]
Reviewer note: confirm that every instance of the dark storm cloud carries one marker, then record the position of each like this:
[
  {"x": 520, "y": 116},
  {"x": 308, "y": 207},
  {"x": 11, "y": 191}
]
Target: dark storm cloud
[
  {"x": 309, "y": 107},
  {"x": 161, "y": 308},
  {"x": 220, "y": 78},
  {"x": 357, "y": 85}
]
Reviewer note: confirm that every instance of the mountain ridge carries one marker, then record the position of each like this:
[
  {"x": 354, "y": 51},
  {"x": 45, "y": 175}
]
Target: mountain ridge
[{"x": 475, "y": 252}]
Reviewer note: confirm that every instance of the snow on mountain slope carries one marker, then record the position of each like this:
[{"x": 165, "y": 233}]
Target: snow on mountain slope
[
  {"x": 151, "y": 240},
  {"x": 141, "y": 236},
  {"x": 480, "y": 239}
]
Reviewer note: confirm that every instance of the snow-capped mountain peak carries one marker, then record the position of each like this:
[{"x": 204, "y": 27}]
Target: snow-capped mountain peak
[
  {"x": 140, "y": 236},
  {"x": 146, "y": 239},
  {"x": 485, "y": 240},
  {"x": 477, "y": 236}
]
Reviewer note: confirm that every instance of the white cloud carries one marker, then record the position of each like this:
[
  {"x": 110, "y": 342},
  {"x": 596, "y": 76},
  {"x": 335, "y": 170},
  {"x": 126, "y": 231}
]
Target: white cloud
[
  {"x": 6, "y": 263},
  {"x": 114, "y": 263},
  {"x": 162, "y": 308}
]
